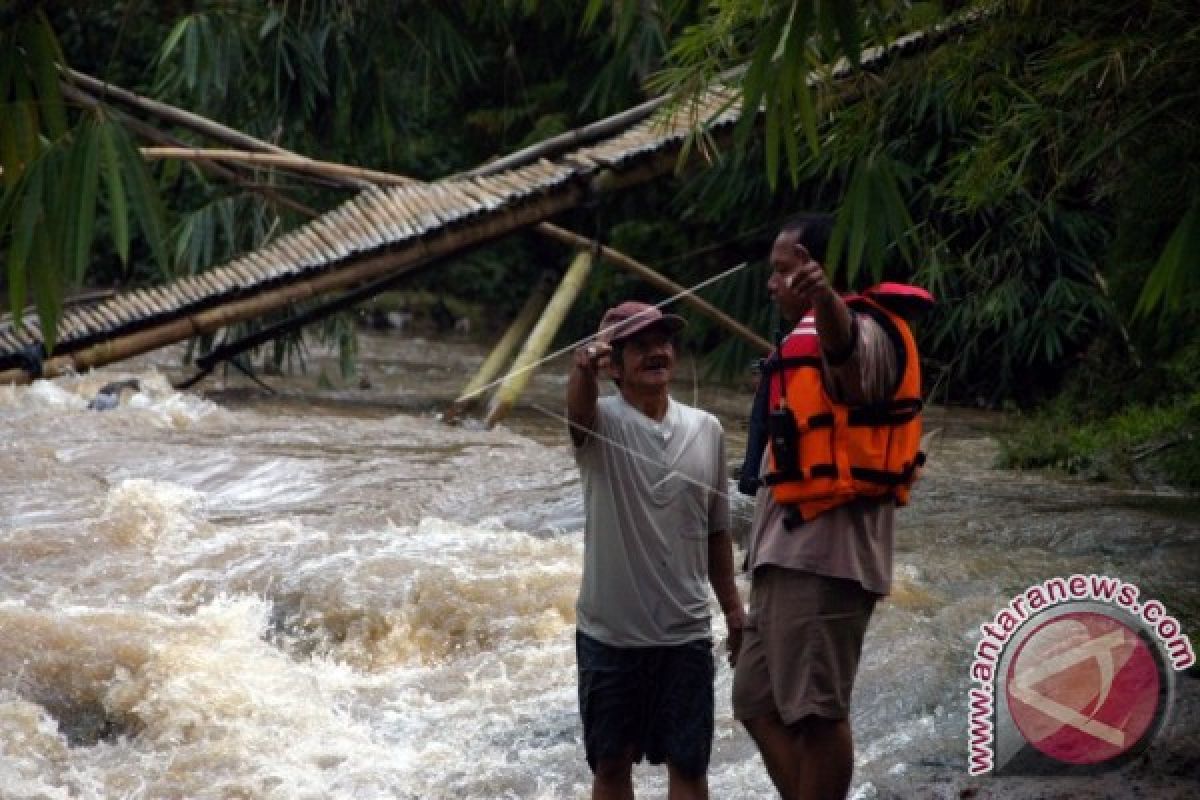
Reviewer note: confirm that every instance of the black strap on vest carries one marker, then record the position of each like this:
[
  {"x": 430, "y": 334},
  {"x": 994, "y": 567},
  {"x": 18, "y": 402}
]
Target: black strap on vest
[
  {"x": 885, "y": 478},
  {"x": 781, "y": 364},
  {"x": 891, "y": 413},
  {"x": 815, "y": 471}
]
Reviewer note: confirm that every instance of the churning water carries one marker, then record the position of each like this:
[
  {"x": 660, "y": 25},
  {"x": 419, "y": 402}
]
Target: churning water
[{"x": 241, "y": 596}]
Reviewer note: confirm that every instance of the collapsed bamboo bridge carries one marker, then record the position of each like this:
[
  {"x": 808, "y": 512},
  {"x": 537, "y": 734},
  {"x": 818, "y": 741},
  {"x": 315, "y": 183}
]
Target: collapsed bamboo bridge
[{"x": 396, "y": 226}]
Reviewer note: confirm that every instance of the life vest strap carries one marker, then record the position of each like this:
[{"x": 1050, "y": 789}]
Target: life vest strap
[
  {"x": 815, "y": 471},
  {"x": 894, "y": 412},
  {"x": 824, "y": 420},
  {"x": 886, "y": 478},
  {"x": 776, "y": 364}
]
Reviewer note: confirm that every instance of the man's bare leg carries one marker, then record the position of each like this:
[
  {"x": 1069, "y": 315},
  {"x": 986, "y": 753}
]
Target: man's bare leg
[
  {"x": 681, "y": 787},
  {"x": 613, "y": 779},
  {"x": 780, "y": 752},
  {"x": 826, "y": 759},
  {"x": 813, "y": 760}
]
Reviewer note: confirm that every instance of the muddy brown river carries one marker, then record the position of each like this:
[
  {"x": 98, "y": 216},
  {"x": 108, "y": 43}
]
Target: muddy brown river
[{"x": 328, "y": 593}]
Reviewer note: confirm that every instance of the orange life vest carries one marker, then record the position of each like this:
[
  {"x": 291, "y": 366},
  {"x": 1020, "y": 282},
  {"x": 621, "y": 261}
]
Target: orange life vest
[{"x": 829, "y": 453}]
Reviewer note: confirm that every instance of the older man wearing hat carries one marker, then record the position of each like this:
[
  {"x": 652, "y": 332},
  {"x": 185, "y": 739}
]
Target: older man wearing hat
[{"x": 656, "y": 535}]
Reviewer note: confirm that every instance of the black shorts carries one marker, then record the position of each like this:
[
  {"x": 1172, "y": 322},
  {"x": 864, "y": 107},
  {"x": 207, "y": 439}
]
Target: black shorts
[{"x": 656, "y": 702}]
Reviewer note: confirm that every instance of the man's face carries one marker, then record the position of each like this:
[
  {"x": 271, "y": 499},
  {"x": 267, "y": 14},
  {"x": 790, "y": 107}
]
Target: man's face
[
  {"x": 647, "y": 361},
  {"x": 787, "y": 257}
]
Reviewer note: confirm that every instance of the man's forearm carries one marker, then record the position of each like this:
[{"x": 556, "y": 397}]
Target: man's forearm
[
  {"x": 582, "y": 392},
  {"x": 720, "y": 572},
  {"x": 835, "y": 325}
]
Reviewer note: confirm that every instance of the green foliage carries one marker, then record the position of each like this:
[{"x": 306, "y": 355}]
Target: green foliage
[
  {"x": 1114, "y": 423},
  {"x": 773, "y": 46},
  {"x": 1038, "y": 173},
  {"x": 48, "y": 214},
  {"x": 51, "y": 173},
  {"x": 1171, "y": 285},
  {"x": 1155, "y": 443}
]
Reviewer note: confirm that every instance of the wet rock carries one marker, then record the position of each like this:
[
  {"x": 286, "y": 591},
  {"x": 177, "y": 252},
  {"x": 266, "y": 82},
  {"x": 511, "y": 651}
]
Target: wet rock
[{"x": 109, "y": 396}]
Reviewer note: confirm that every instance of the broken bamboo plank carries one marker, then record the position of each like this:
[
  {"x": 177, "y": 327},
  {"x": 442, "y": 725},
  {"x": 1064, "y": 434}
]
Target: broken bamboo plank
[
  {"x": 500, "y": 354},
  {"x": 540, "y": 338}
]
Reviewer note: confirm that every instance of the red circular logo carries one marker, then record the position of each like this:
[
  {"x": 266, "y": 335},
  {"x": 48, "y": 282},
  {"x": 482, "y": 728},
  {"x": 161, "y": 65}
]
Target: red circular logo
[{"x": 1083, "y": 688}]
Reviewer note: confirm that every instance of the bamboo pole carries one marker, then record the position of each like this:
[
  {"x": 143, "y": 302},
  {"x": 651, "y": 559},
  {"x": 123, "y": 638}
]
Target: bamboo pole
[
  {"x": 490, "y": 369},
  {"x": 540, "y": 339},
  {"x": 657, "y": 280},
  {"x": 170, "y": 113},
  {"x": 289, "y": 161},
  {"x": 571, "y": 139},
  {"x": 76, "y": 95},
  {"x": 577, "y": 137}
]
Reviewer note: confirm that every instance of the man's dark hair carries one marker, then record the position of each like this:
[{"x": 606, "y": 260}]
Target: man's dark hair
[{"x": 813, "y": 230}]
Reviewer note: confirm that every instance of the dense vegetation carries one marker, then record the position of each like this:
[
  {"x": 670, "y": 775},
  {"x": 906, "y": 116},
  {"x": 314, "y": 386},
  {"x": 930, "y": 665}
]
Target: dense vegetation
[{"x": 1040, "y": 172}]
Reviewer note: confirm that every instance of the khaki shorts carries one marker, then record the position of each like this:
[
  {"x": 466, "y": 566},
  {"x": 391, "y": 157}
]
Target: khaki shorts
[{"x": 801, "y": 646}]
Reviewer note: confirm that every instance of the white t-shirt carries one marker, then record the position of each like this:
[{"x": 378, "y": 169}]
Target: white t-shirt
[{"x": 653, "y": 494}]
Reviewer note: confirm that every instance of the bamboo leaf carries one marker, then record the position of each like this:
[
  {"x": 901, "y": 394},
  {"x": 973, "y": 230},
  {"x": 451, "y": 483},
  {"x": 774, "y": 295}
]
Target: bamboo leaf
[
  {"x": 837, "y": 238},
  {"x": 85, "y": 204},
  {"x": 1175, "y": 268},
  {"x": 860, "y": 229},
  {"x": 754, "y": 84},
  {"x": 117, "y": 209},
  {"x": 57, "y": 194},
  {"x": 47, "y": 287},
  {"x": 172, "y": 40},
  {"x": 30, "y": 193},
  {"x": 8, "y": 58},
  {"x": 10, "y": 160},
  {"x": 808, "y": 116},
  {"x": 857, "y": 206},
  {"x": 794, "y": 87},
  {"x": 24, "y": 120},
  {"x": 191, "y": 55},
  {"x": 591, "y": 13},
  {"x": 899, "y": 220},
  {"x": 44, "y": 57},
  {"x": 8, "y": 204},
  {"x": 774, "y": 126},
  {"x": 143, "y": 197},
  {"x": 847, "y": 22}
]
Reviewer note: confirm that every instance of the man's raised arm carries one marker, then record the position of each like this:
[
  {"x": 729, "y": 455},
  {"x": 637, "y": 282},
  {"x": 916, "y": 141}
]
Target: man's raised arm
[{"x": 583, "y": 389}]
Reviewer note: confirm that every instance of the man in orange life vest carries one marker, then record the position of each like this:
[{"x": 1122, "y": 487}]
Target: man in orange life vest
[{"x": 843, "y": 424}]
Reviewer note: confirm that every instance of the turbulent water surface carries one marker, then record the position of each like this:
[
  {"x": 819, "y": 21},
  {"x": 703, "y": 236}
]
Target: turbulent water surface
[{"x": 331, "y": 594}]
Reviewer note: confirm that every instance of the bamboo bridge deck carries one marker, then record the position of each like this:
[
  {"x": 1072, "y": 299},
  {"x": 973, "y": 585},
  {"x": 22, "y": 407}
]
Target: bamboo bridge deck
[{"x": 382, "y": 232}]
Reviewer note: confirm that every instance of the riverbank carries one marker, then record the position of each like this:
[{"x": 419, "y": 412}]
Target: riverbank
[{"x": 1169, "y": 770}]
